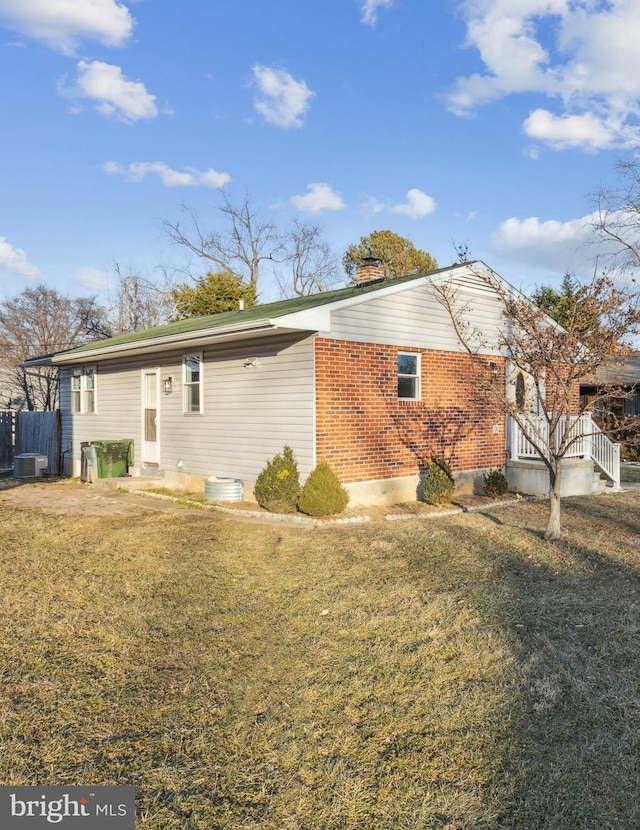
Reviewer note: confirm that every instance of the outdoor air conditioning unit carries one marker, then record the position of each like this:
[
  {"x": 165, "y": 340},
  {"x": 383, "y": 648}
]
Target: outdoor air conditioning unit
[{"x": 30, "y": 465}]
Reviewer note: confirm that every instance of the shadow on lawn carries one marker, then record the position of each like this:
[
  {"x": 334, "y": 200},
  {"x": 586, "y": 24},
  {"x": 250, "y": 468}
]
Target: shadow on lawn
[
  {"x": 574, "y": 614},
  {"x": 592, "y": 509},
  {"x": 279, "y": 679}
]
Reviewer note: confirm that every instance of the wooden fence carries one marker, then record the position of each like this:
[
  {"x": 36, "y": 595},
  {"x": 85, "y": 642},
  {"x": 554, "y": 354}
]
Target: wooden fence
[
  {"x": 7, "y": 437},
  {"x": 30, "y": 432},
  {"x": 40, "y": 432}
]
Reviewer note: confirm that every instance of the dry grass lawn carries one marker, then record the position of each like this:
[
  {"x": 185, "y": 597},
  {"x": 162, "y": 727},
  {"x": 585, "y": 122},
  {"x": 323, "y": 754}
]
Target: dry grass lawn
[{"x": 449, "y": 673}]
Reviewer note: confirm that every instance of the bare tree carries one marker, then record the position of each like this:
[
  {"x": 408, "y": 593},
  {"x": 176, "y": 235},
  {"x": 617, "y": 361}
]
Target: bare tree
[
  {"x": 300, "y": 259},
  {"x": 41, "y": 321},
  {"x": 139, "y": 304},
  {"x": 617, "y": 217},
  {"x": 551, "y": 357},
  {"x": 243, "y": 243},
  {"x": 311, "y": 265}
]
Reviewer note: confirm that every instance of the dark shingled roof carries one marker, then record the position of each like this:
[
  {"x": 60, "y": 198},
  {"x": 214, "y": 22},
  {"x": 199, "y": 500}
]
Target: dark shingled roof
[{"x": 624, "y": 371}]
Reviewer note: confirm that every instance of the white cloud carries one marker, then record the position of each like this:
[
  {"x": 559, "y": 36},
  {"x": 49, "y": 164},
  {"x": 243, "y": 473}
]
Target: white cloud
[
  {"x": 369, "y": 9},
  {"x": 14, "y": 260},
  {"x": 92, "y": 279},
  {"x": 559, "y": 246},
  {"x": 284, "y": 100},
  {"x": 371, "y": 204},
  {"x": 63, "y": 24},
  {"x": 320, "y": 197},
  {"x": 114, "y": 95},
  {"x": 579, "y": 52},
  {"x": 568, "y": 131},
  {"x": 418, "y": 204},
  {"x": 189, "y": 177}
]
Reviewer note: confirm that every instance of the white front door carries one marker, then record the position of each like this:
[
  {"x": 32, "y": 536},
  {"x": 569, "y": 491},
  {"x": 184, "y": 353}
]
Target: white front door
[{"x": 150, "y": 416}]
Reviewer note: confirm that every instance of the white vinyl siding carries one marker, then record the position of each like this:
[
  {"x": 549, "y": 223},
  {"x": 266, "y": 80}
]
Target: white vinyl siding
[
  {"x": 249, "y": 412},
  {"x": 117, "y": 416},
  {"x": 415, "y": 319}
]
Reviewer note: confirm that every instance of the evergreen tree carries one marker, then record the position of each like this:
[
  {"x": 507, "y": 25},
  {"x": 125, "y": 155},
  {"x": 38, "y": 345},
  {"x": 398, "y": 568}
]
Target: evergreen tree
[
  {"x": 398, "y": 256},
  {"x": 211, "y": 294}
]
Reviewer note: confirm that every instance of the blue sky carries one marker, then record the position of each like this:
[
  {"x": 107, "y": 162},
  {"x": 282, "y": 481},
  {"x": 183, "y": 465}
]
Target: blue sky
[{"x": 490, "y": 122}]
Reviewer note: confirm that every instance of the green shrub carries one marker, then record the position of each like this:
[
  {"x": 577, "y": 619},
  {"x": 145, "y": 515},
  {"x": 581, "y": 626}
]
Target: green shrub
[
  {"x": 630, "y": 451},
  {"x": 495, "y": 483},
  {"x": 444, "y": 466},
  {"x": 322, "y": 494},
  {"x": 278, "y": 486},
  {"x": 438, "y": 487}
]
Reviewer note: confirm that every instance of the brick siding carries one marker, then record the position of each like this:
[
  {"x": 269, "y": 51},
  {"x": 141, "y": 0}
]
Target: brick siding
[
  {"x": 365, "y": 433},
  {"x": 553, "y": 396}
]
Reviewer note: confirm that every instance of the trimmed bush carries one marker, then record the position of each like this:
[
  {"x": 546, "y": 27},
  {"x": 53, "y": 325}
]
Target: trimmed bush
[
  {"x": 444, "y": 466},
  {"x": 322, "y": 494},
  {"x": 438, "y": 487},
  {"x": 278, "y": 486},
  {"x": 495, "y": 483}
]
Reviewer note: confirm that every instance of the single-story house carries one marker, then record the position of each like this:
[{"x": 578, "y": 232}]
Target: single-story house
[
  {"x": 370, "y": 378},
  {"x": 613, "y": 394}
]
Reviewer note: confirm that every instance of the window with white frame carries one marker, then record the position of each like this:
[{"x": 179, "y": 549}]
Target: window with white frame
[
  {"x": 192, "y": 382},
  {"x": 83, "y": 390},
  {"x": 408, "y": 376}
]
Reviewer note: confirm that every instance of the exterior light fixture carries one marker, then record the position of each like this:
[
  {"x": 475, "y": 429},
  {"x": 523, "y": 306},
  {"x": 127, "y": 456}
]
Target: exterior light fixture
[
  {"x": 250, "y": 361},
  {"x": 167, "y": 385}
]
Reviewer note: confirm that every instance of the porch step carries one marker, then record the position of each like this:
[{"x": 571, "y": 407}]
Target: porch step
[
  {"x": 599, "y": 483},
  {"x": 585, "y": 440}
]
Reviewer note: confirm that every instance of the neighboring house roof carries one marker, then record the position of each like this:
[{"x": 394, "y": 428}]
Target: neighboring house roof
[
  {"x": 623, "y": 371},
  {"x": 309, "y": 313}
]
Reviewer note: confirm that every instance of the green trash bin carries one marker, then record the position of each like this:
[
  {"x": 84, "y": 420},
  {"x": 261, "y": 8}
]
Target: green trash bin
[{"x": 114, "y": 457}]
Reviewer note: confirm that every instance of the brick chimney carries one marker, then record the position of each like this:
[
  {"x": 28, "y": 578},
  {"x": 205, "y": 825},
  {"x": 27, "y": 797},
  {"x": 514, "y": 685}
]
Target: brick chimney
[{"x": 369, "y": 271}]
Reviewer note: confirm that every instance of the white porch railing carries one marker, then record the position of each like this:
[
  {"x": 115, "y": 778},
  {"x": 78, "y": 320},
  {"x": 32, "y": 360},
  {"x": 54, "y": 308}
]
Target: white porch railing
[{"x": 587, "y": 441}]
